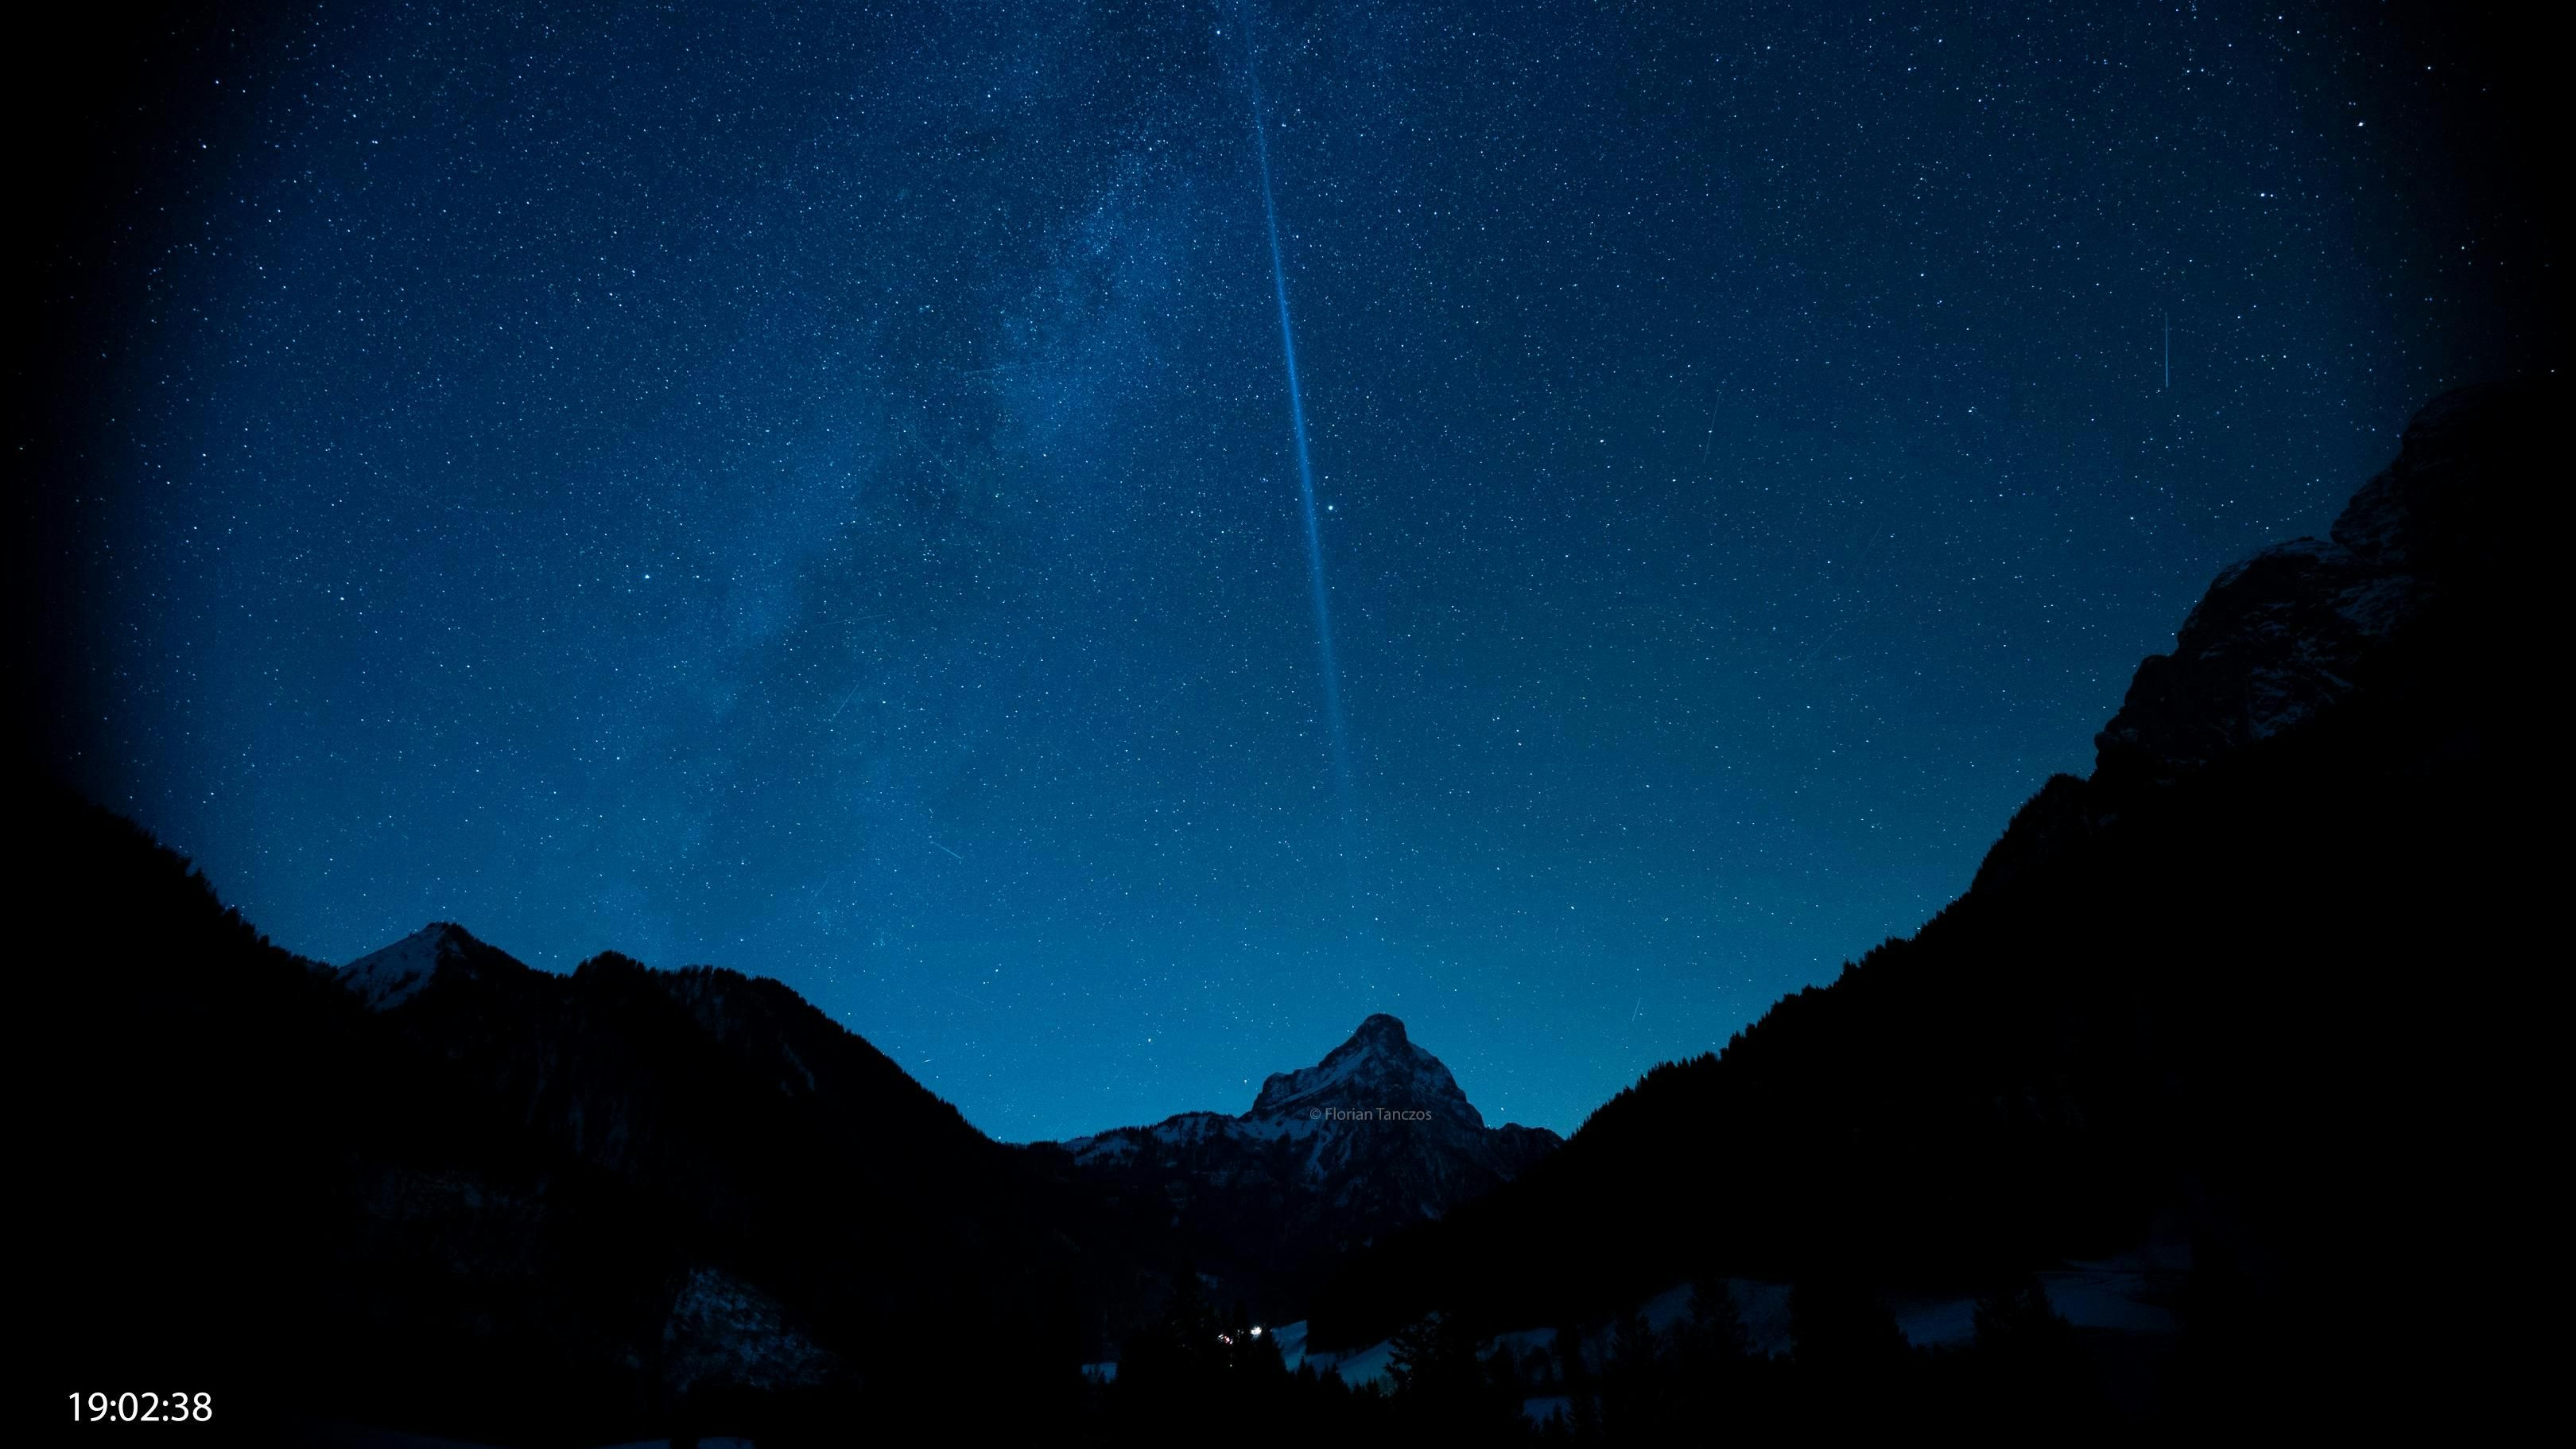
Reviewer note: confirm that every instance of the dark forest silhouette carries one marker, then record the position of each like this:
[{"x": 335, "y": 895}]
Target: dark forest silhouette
[
  {"x": 2275, "y": 994},
  {"x": 2278, "y": 996}
]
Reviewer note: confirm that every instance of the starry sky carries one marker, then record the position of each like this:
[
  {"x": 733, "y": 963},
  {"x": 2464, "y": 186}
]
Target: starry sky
[{"x": 811, "y": 489}]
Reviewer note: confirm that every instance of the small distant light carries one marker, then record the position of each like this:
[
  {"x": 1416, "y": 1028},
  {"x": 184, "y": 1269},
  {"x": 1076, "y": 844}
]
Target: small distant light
[{"x": 1256, "y": 1330}]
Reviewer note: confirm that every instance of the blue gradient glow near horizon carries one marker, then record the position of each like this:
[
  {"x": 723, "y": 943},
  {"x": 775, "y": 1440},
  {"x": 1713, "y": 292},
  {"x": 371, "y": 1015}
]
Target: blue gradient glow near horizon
[{"x": 800, "y": 488}]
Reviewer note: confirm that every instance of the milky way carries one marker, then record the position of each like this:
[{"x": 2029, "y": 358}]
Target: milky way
[{"x": 802, "y": 488}]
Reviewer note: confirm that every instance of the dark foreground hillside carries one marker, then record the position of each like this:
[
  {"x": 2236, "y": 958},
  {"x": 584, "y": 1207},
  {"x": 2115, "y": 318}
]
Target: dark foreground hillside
[
  {"x": 2265, "y": 983},
  {"x": 524, "y": 1208},
  {"x": 2263, "y": 989}
]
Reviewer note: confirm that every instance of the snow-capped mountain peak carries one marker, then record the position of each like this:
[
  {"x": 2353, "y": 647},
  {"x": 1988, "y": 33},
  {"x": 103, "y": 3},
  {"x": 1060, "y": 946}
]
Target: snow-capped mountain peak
[
  {"x": 386, "y": 978},
  {"x": 1376, "y": 1135},
  {"x": 1379, "y": 1068}
]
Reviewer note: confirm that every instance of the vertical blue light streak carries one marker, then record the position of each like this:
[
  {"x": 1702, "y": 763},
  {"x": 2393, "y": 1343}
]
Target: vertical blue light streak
[{"x": 1305, "y": 473}]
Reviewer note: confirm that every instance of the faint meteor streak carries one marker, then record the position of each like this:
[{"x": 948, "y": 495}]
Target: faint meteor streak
[
  {"x": 1305, "y": 465},
  {"x": 1331, "y": 667}
]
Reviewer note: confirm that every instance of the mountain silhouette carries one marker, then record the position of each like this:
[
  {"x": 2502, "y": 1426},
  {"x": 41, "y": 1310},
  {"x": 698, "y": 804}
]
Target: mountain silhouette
[
  {"x": 1329, "y": 1157},
  {"x": 2261, "y": 984},
  {"x": 441, "y": 1189}
]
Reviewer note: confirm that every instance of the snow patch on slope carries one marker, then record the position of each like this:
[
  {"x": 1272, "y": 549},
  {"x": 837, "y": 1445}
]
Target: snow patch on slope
[
  {"x": 386, "y": 979},
  {"x": 722, "y": 1329}
]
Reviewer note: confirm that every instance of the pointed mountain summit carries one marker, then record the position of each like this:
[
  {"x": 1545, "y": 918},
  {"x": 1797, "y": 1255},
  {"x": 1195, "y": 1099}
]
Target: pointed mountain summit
[
  {"x": 1378, "y": 1068},
  {"x": 1374, "y": 1136},
  {"x": 392, "y": 975}
]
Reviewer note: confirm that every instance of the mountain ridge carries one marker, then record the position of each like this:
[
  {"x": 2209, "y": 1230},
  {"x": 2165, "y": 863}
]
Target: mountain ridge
[
  {"x": 2250, "y": 980},
  {"x": 2265, "y": 975},
  {"x": 1376, "y": 1134},
  {"x": 441, "y": 1188}
]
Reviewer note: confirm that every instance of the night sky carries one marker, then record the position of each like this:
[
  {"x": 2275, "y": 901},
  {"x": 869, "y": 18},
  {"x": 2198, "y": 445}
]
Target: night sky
[{"x": 814, "y": 492}]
